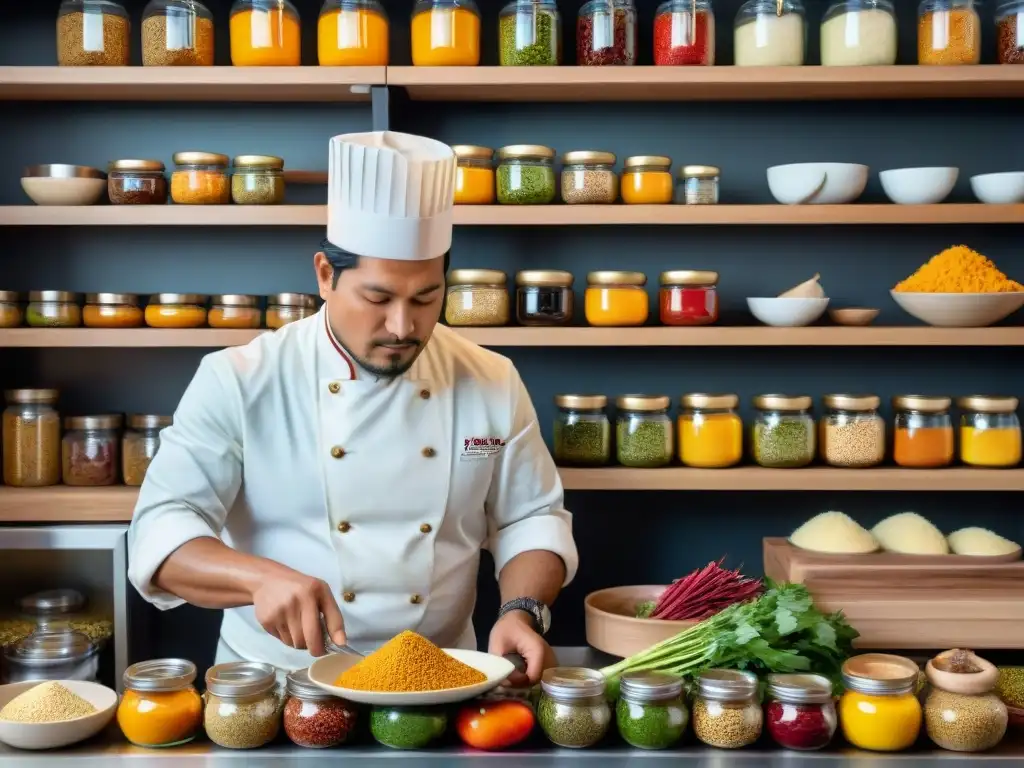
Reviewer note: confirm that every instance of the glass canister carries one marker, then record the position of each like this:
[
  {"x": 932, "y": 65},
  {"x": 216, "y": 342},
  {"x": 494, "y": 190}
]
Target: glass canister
[
  {"x": 923, "y": 431},
  {"x": 314, "y": 718},
  {"x": 200, "y": 178},
  {"x": 91, "y": 449},
  {"x": 60, "y": 610},
  {"x": 544, "y": 297},
  {"x": 1010, "y": 32},
  {"x": 606, "y": 32},
  {"x": 589, "y": 178},
  {"x": 445, "y": 33},
  {"x": 139, "y": 445},
  {"x": 948, "y": 32},
  {"x": 476, "y": 297},
  {"x": 852, "y": 431},
  {"x": 878, "y": 710},
  {"x": 698, "y": 185},
  {"x": 257, "y": 180},
  {"x": 800, "y": 714},
  {"x": 31, "y": 438},
  {"x": 647, "y": 180},
  {"x": 530, "y": 34},
  {"x": 160, "y": 706},
  {"x": 177, "y": 33},
  {"x": 573, "y": 710},
  {"x": 234, "y": 310},
  {"x": 53, "y": 309},
  {"x": 474, "y": 175},
  {"x": 961, "y": 712},
  {"x": 11, "y": 312},
  {"x": 616, "y": 298},
  {"x": 684, "y": 33},
  {"x": 688, "y": 297},
  {"x": 651, "y": 713},
  {"x": 176, "y": 310},
  {"x": 353, "y": 33},
  {"x": 59, "y": 654},
  {"x": 92, "y": 33},
  {"x": 769, "y": 33},
  {"x": 643, "y": 431},
  {"x": 265, "y": 33},
  {"x": 136, "y": 182},
  {"x": 989, "y": 431},
  {"x": 710, "y": 431},
  {"x": 726, "y": 711},
  {"x": 284, "y": 308},
  {"x": 409, "y": 727},
  {"x": 783, "y": 433},
  {"x": 583, "y": 434},
  {"x": 859, "y": 33},
  {"x": 243, "y": 705},
  {"x": 112, "y": 310},
  {"x": 526, "y": 175}
]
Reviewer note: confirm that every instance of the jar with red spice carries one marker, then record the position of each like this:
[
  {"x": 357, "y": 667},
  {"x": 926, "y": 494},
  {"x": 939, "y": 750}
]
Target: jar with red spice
[
  {"x": 684, "y": 33},
  {"x": 1010, "y": 31},
  {"x": 689, "y": 297},
  {"x": 314, "y": 718},
  {"x": 606, "y": 33},
  {"x": 800, "y": 714}
]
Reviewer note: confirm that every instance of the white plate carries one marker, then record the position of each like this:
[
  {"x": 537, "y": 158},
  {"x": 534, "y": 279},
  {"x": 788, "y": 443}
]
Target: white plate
[
  {"x": 325, "y": 670},
  {"x": 53, "y": 735}
]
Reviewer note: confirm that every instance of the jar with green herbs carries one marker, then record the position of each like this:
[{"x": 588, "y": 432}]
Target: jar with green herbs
[
  {"x": 526, "y": 175},
  {"x": 530, "y": 34},
  {"x": 53, "y": 309},
  {"x": 583, "y": 434},
  {"x": 961, "y": 711},
  {"x": 643, "y": 431},
  {"x": 243, "y": 705},
  {"x": 783, "y": 432},
  {"x": 726, "y": 712},
  {"x": 573, "y": 710},
  {"x": 477, "y": 297},
  {"x": 258, "y": 180},
  {"x": 650, "y": 712},
  {"x": 408, "y": 727}
]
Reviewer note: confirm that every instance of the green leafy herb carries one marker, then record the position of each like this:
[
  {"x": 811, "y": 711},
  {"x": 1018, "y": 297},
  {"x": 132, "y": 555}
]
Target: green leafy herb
[{"x": 645, "y": 609}]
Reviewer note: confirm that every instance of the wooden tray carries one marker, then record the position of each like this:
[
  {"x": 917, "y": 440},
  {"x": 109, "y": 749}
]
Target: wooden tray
[{"x": 612, "y": 625}]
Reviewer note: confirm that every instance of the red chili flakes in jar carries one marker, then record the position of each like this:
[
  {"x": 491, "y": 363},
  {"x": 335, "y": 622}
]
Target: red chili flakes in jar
[
  {"x": 801, "y": 714},
  {"x": 1010, "y": 32},
  {"x": 314, "y": 718},
  {"x": 688, "y": 297},
  {"x": 606, "y": 33},
  {"x": 684, "y": 33}
]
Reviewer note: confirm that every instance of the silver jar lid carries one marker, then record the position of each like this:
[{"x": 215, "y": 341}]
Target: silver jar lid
[
  {"x": 52, "y": 602},
  {"x": 48, "y": 647},
  {"x": 644, "y": 686},
  {"x": 113, "y": 299},
  {"x": 727, "y": 685},
  {"x": 10, "y": 297},
  {"x": 149, "y": 421},
  {"x": 240, "y": 678},
  {"x": 54, "y": 297},
  {"x": 572, "y": 683},
  {"x": 303, "y": 300},
  {"x": 880, "y": 673},
  {"x": 300, "y": 686},
  {"x": 100, "y": 421},
  {"x": 160, "y": 675},
  {"x": 800, "y": 689},
  {"x": 233, "y": 300}
]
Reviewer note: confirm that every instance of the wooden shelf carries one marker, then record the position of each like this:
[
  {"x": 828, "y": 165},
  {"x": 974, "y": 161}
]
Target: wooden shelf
[{"x": 65, "y": 504}]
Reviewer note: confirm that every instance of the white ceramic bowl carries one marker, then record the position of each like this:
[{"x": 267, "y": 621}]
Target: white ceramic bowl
[
  {"x": 53, "y": 191},
  {"x": 959, "y": 310},
  {"x": 54, "y": 735},
  {"x": 918, "y": 186},
  {"x": 787, "y": 313},
  {"x": 999, "y": 188},
  {"x": 817, "y": 183}
]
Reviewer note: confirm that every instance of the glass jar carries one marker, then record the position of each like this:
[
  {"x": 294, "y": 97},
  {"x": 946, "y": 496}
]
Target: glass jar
[
  {"x": 445, "y": 33},
  {"x": 284, "y": 308},
  {"x": 474, "y": 175},
  {"x": 62, "y": 610},
  {"x": 859, "y": 33},
  {"x": 573, "y": 710},
  {"x": 265, "y": 33},
  {"x": 643, "y": 431},
  {"x": 989, "y": 431},
  {"x": 783, "y": 434},
  {"x": 526, "y": 175},
  {"x": 589, "y": 178},
  {"x": 1010, "y": 32},
  {"x": 176, "y": 310},
  {"x": 476, "y": 297},
  {"x": 112, "y": 310},
  {"x": 651, "y": 713},
  {"x": 530, "y": 34},
  {"x": 684, "y": 33},
  {"x": 53, "y": 309},
  {"x": 948, "y": 32},
  {"x": 583, "y": 434},
  {"x": 11, "y": 313},
  {"x": 243, "y": 705},
  {"x": 234, "y": 310},
  {"x": 800, "y": 714},
  {"x": 31, "y": 438},
  {"x": 726, "y": 711},
  {"x": 961, "y": 712},
  {"x": 140, "y": 443},
  {"x": 606, "y": 33},
  {"x": 92, "y": 33},
  {"x": 136, "y": 182},
  {"x": 688, "y": 297},
  {"x": 160, "y": 706},
  {"x": 923, "y": 432},
  {"x": 91, "y": 450},
  {"x": 770, "y": 34},
  {"x": 200, "y": 178},
  {"x": 408, "y": 727},
  {"x": 177, "y": 33},
  {"x": 616, "y": 298},
  {"x": 59, "y": 654},
  {"x": 544, "y": 297},
  {"x": 852, "y": 431},
  {"x": 647, "y": 180},
  {"x": 353, "y": 33},
  {"x": 710, "y": 431},
  {"x": 257, "y": 180},
  {"x": 314, "y": 718},
  {"x": 698, "y": 185},
  {"x": 879, "y": 711}
]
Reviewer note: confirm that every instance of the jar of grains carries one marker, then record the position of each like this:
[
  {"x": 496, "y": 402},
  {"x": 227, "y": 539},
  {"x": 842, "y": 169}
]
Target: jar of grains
[
  {"x": 582, "y": 431},
  {"x": 651, "y": 713},
  {"x": 923, "y": 431},
  {"x": 284, "y": 308},
  {"x": 852, "y": 431},
  {"x": 688, "y": 297},
  {"x": 265, "y": 33},
  {"x": 710, "y": 431},
  {"x": 989, "y": 431},
  {"x": 112, "y": 310},
  {"x": 1010, "y": 32},
  {"x": 11, "y": 312},
  {"x": 92, "y": 33},
  {"x": 243, "y": 705},
  {"x": 177, "y": 33},
  {"x": 698, "y": 185},
  {"x": 407, "y": 727},
  {"x": 526, "y": 175},
  {"x": 647, "y": 180},
  {"x": 160, "y": 706},
  {"x": 859, "y": 33},
  {"x": 769, "y": 33},
  {"x": 31, "y": 438},
  {"x": 616, "y": 298},
  {"x": 176, "y": 310},
  {"x": 52, "y": 654},
  {"x": 53, "y": 309},
  {"x": 353, "y": 33},
  {"x": 589, "y": 178},
  {"x": 234, "y": 310},
  {"x": 961, "y": 711},
  {"x": 530, "y": 34},
  {"x": 800, "y": 714},
  {"x": 474, "y": 175},
  {"x": 684, "y": 33},
  {"x": 136, "y": 182},
  {"x": 726, "y": 711},
  {"x": 314, "y": 718},
  {"x": 948, "y": 32},
  {"x": 445, "y": 33},
  {"x": 878, "y": 710},
  {"x": 544, "y": 297},
  {"x": 476, "y": 297},
  {"x": 606, "y": 32},
  {"x": 258, "y": 180},
  {"x": 200, "y": 178},
  {"x": 573, "y": 710},
  {"x": 140, "y": 443},
  {"x": 783, "y": 434},
  {"x": 91, "y": 450},
  {"x": 643, "y": 431}
]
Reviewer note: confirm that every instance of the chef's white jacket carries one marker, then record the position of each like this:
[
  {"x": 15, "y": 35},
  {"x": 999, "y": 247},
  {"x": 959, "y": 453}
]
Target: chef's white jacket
[{"x": 386, "y": 490}]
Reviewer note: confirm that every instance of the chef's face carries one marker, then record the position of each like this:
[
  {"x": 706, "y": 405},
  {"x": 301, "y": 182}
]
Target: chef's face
[{"x": 383, "y": 311}]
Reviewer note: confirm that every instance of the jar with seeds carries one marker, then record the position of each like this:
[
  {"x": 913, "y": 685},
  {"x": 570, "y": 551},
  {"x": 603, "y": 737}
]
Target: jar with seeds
[
  {"x": 726, "y": 712},
  {"x": 243, "y": 705},
  {"x": 31, "y": 432},
  {"x": 139, "y": 445},
  {"x": 852, "y": 431},
  {"x": 200, "y": 178},
  {"x": 477, "y": 297},
  {"x": 650, "y": 712},
  {"x": 572, "y": 710},
  {"x": 92, "y": 33},
  {"x": 698, "y": 185},
  {"x": 177, "y": 33},
  {"x": 783, "y": 432},
  {"x": 583, "y": 433},
  {"x": 643, "y": 431},
  {"x": 258, "y": 180},
  {"x": 961, "y": 712},
  {"x": 589, "y": 178},
  {"x": 526, "y": 175}
]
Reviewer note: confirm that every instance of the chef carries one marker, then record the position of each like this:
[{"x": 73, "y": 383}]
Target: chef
[{"x": 352, "y": 465}]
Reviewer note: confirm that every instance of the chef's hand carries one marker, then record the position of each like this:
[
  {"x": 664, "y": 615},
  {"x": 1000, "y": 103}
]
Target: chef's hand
[
  {"x": 514, "y": 633},
  {"x": 288, "y": 605}
]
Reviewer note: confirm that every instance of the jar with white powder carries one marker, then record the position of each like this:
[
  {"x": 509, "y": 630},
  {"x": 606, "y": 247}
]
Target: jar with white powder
[
  {"x": 859, "y": 33},
  {"x": 770, "y": 33}
]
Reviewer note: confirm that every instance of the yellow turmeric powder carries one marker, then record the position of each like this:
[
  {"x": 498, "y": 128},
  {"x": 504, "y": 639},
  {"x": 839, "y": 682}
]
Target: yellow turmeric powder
[
  {"x": 958, "y": 270},
  {"x": 408, "y": 663}
]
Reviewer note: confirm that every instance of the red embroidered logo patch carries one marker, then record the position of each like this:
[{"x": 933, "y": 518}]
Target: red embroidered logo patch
[{"x": 481, "y": 447}]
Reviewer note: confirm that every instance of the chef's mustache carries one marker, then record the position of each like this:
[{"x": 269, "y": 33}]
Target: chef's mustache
[{"x": 396, "y": 342}]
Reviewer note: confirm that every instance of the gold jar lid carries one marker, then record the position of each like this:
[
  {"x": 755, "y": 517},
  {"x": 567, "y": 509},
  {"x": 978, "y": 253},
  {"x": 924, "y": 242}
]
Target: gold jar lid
[
  {"x": 922, "y": 403},
  {"x": 655, "y": 161},
  {"x": 10, "y": 297},
  {"x": 783, "y": 402},
  {"x": 609, "y": 277},
  {"x": 588, "y": 157},
  {"x": 852, "y": 402},
  {"x": 710, "y": 402},
  {"x": 148, "y": 421},
  {"x": 699, "y": 172},
  {"x": 643, "y": 402},
  {"x": 105, "y": 421},
  {"x": 301, "y": 300},
  {"x": 201, "y": 158},
  {"x": 477, "y": 277},
  {"x": 472, "y": 152},
  {"x": 268, "y": 162},
  {"x": 31, "y": 395},
  {"x": 177, "y": 298},
  {"x": 552, "y": 278},
  {"x": 524, "y": 151},
  {"x": 234, "y": 300},
  {"x": 142, "y": 166},
  {"x": 582, "y": 402},
  {"x": 106, "y": 299},
  {"x": 692, "y": 277},
  {"x": 65, "y": 297},
  {"x": 988, "y": 404}
]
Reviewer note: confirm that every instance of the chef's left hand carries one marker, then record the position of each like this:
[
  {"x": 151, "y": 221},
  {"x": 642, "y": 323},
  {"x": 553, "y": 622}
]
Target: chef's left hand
[{"x": 514, "y": 633}]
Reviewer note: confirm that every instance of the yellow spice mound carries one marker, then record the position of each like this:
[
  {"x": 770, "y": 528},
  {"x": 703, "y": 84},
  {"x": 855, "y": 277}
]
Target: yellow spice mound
[
  {"x": 958, "y": 270},
  {"x": 46, "y": 703},
  {"x": 408, "y": 663}
]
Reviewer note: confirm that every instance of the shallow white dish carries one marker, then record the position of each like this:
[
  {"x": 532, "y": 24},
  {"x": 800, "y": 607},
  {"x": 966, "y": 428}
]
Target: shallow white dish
[
  {"x": 999, "y": 188},
  {"x": 325, "y": 670},
  {"x": 787, "y": 313},
  {"x": 54, "y": 735},
  {"x": 817, "y": 183},
  {"x": 918, "y": 186},
  {"x": 50, "y": 190},
  {"x": 959, "y": 310}
]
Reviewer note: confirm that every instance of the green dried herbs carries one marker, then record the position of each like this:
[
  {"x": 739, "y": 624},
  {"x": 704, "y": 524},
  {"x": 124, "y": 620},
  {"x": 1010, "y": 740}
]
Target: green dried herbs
[
  {"x": 525, "y": 184},
  {"x": 583, "y": 443},
  {"x": 575, "y": 725},
  {"x": 529, "y": 38},
  {"x": 407, "y": 727},
  {"x": 652, "y": 725},
  {"x": 644, "y": 443},
  {"x": 783, "y": 444}
]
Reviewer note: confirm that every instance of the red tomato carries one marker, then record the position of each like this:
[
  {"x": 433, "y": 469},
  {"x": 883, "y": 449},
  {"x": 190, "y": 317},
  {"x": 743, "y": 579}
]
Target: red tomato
[{"x": 494, "y": 724}]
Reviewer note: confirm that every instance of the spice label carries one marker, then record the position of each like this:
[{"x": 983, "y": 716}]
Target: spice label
[{"x": 481, "y": 447}]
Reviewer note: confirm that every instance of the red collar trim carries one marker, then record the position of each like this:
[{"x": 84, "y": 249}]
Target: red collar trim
[{"x": 337, "y": 346}]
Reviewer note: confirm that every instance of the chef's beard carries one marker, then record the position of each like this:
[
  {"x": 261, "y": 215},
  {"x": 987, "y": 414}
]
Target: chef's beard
[{"x": 397, "y": 364}]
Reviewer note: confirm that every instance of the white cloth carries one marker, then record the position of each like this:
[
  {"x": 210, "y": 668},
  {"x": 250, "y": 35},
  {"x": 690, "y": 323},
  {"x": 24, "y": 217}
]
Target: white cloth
[{"x": 434, "y": 465}]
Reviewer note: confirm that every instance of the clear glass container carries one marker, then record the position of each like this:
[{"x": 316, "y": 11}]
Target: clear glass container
[
  {"x": 544, "y": 297},
  {"x": 91, "y": 450},
  {"x": 476, "y": 297},
  {"x": 583, "y": 433},
  {"x": 177, "y": 33},
  {"x": 526, "y": 175},
  {"x": 783, "y": 433},
  {"x": 31, "y": 438},
  {"x": 948, "y": 32},
  {"x": 800, "y": 713},
  {"x": 923, "y": 431},
  {"x": 234, "y": 310},
  {"x": 530, "y": 34},
  {"x": 12, "y": 314},
  {"x": 62, "y": 610},
  {"x": 852, "y": 431},
  {"x": 445, "y": 33},
  {"x": 989, "y": 431},
  {"x": 160, "y": 706},
  {"x": 53, "y": 309},
  {"x": 265, "y": 33},
  {"x": 726, "y": 712},
  {"x": 879, "y": 710},
  {"x": 688, "y": 297},
  {"x": 313, "y": 718},
  {"x": 93, "y": 33},
  {"x": 353, "y": 33},
  {"x": 137, "y": 182},
  {"x": 770, "y": 34},
  {"x": 684, "y": 34},
  {"x": 52, "y": 654},
  {"x": 643, "y": 431},
  {"x": 962, "y": 711},
  {"x": 859, "y": 33},
  {"x": 112, "y": 310},
  {"x": 474, "y": 175},
  {"x": 243, "y": 705},
  {"x": 1010, "y": 32},
  {"x": 710, "y": 431},
  {"x": 573, "y": 710},
  {"x": 139, "y": 445},
  {"x": 589, "y": 178},
  {"x": 698, "y": 185},
  {"x": 257, "y": 180},
  {"x": 616, "y": 298},
  {"x": 284, "y": 308},
  {"x": 176, "y": 310},
  {"x": 651, "y": 713},
  {"x": 408, "y": 727},
  {"x": 201, "y": 178},
  {"x": 647, "y": 180},
  {"x": 606, "y": 32}
]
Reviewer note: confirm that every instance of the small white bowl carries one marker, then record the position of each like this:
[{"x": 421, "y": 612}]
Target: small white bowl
[
  {"x": 787, "y": 313},
  {"x": 999, "y": 188},
  {"x": 817, "y": 183},
  {"x": 918, "y": 186},
  {"x": 51, "y": 191},
  {"x": 54, "y": 735},
  {"x": 959, "y": 310}
]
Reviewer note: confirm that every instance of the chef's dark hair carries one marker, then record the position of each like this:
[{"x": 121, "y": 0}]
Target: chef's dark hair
[{"x": 341, "y": 260}]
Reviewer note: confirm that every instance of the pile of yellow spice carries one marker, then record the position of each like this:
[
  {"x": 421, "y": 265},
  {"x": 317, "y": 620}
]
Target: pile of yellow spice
[
  {"x": 958, "y": 270},
  {"x": 408, "y": 663}
]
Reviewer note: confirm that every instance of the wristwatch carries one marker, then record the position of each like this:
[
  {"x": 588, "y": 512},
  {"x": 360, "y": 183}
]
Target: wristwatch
[{"x": 537, "y": 611}]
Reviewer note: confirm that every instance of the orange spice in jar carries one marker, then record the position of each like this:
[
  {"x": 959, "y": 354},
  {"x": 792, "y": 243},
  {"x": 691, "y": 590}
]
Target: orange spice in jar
[
  {"x": 647, "y": 180},
  {"x": 233, "y": 310},
  {"x": 474, "y": 175},
  {"x": 176, "y": 310},
  {"x": 11, "y": 312},
  {"x": 265, "y": 33},
  {"x": 923, "y": 432},
  {"x": 284, "y": 308},
  {"x": 616, "y": 298},
  {"x": 112, "y": 310},
  {"x": 160, "y": 706},
  {"x": 201, "y": 178},
  {"x": 445, "y": 33},
  {"x": 948, "y": 32},
  {"x": 352, "y": 33}
]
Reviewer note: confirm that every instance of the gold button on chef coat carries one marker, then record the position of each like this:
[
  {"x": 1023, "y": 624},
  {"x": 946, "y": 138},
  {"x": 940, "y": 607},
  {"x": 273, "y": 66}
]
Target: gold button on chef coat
[
  {"x": 429, "y": 453},
  {"x": 344, "y": 526},
  {"x": 337, "y": 451},
  {"x": 334, "y": 387},
  {"x": 426, "y": 528},
  {"x": 415, "y": 599},
  {"x": 425, "y": 394},
  {"x": 348, "y": 597}
]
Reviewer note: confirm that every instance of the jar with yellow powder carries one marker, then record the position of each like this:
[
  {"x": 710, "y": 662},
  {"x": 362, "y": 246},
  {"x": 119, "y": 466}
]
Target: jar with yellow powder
[
  {"x": 112, "y": 310},
  {"x": 445, "y": 33},
  {"x": 284, "y": 308},
  {"x": 879, "y": 711},
  {"x": 265, "y": 33},
  {"x": 474, "y": 175},
  {"x": 11, "y": 311},
  {"x": 31, "y": 438},
  {"x": 616, "y": 299},
  {"x": 160, "y": 706},
  {"x": 176, "y": 310},
  {"x": 477, "y": 297},
  {"x": 647, "y": 180},
  {"x": 353, "y": 33},
  {"x": 139, "y": 445},
  {"x": 201, "y": 178},
  {"x": 233, "y": 310},
  {"x": 990, "y": 433},
  {"x": 258, "y": 180},
  {"x": 710, "y": 431},
  {"x": 948, "y": 32}
]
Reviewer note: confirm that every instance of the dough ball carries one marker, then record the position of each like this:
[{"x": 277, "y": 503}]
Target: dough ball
[
  {"x": 980, "y": 542},
  {"x": 910, "y": 534},
  {"x": 834, "y": 532}
]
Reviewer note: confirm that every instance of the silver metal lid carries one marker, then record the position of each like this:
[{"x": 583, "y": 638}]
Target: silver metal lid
[
  {"x": 44, "y": 647},
  {"x": 160, "y": 675},
  {"x": 10, "y": 297},
  {"x": 148, "y": 421},
  {"x": 572, "y": 683},
  {"x": 292, "y": 300},
  {"x": 177, "y": 298},
  {"x": 112, "y": 298},
  {"x": 880, "y": 673},
  {"x": 300, "y": 686},
  {"x": 727, "y": 685},
  {"x": 24, "y": 396},
  {"x": 52, "y": 602},
  {"x": 64, "y": 297},
  {"x": 234, "y": 300},
  {"x": 240, "y": 678},
  {"x": 102, "y": 421},
  {"x": 800, "y": 689},
  {"x": 63, "y": 171},
  {"x": 644, "y": 686}
]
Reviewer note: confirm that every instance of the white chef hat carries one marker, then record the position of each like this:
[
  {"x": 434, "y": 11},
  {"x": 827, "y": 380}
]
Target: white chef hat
[{"x": 390, "y": 195}]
